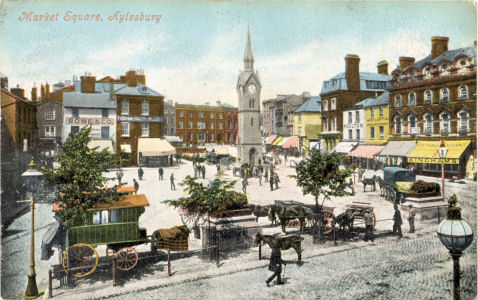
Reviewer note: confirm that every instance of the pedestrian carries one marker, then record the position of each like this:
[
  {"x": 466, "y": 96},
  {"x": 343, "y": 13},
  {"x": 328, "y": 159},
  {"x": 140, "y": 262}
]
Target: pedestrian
[
  {"x": 260, "y": 161},
  {"x": 171, "y": 159},
  {"x": 171, "y": 179},
  {"x": 119, "y": 175},
  {"x": 266, "y": 175},
  {"x": 260, "y": 178},
  {"x": 161, "y": 173},
  {"x": 136, "y": 185},
  {"x": 276, "y": 180},
  {"x": 218, "y": 167},
  {"x": 203, "y": 169},
  {"x": 244, "y": 185},
  {"x": 368, "y": 218},
  {"x": 275, "y": 263},
  {"x": 140, "y": 173},
  {"x": 411, "y": 218},
  {"x": 285, "y": 157},
  {"x": 397, "y": 221},
  {"x": 351, "y": 185},
  {"x": 271, "y": 180}
]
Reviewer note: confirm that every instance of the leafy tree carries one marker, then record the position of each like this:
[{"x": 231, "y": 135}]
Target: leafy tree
[
  {"x": 215, "y": 199},
  {"x": 322, "y": 174},
  {"x": 79, "y": 179}
]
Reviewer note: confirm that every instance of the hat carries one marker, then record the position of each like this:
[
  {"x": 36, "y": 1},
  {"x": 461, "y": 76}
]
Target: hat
[{"x": 409, "y": 205}]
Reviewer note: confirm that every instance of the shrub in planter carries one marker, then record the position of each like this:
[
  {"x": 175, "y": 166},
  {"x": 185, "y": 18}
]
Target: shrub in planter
[{"x": 421, "y": 187}]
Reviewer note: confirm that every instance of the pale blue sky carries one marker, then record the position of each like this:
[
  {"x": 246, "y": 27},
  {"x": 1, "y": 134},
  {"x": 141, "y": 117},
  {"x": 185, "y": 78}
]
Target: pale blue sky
[{"x": 194, "y": 53}]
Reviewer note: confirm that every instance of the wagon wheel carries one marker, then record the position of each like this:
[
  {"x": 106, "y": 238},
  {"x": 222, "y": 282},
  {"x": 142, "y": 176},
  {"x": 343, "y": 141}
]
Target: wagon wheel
[
  {"x": 126, "y": 258},
  {"x": 329, "y": 220},
  {"x": 80, "y": 260}
]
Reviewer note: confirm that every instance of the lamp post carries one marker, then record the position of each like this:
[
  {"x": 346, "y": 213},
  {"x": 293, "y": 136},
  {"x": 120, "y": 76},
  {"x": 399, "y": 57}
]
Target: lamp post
[
  {"x": 456, "y": 234},
  {"x": 33, "y": 179},
  {"x": 442, "y": 154}
]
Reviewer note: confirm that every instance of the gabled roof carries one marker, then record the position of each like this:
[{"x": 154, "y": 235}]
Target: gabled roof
[
  {"x": 361, "y": 104},
  {"x": 139, "y": 90},
  {"x": 314, "y": 104},
  {"x": 448, "y": 56},
  {"x": 88, "y": 100},
  {"x": 15, "y": 97},
  {"x": 381, "y": 100},
  {"x": 244, "y": 77}
]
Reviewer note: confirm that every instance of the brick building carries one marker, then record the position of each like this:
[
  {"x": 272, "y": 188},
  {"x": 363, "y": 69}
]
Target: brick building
[
  {"x": 169, "y": 125},
  {"x": 345, "y": 90},
  {"x": 278, "y": 116},
  {"x": 201, "y": 124},
  {"x": 435, "y": 99}
]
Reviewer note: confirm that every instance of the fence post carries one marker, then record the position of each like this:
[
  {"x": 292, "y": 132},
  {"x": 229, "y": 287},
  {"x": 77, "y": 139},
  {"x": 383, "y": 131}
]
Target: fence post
[
  {"x": 438, "y": 207},
  {"x": 50, "y": 284},
  {"x": 260, "y": 250},
  {"x": 217, "y": 253},
  {"x": 114, "y": 271},
  {"x": 169, "y": 262}
]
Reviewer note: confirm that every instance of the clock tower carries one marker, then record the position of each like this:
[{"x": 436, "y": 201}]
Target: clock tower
[{"x": 249, "y": 95}]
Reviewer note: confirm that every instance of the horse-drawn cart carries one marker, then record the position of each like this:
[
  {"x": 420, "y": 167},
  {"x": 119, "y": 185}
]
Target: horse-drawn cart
[
  {"x": 114, "y": 224},
  {"x": 353, "y": 216}
]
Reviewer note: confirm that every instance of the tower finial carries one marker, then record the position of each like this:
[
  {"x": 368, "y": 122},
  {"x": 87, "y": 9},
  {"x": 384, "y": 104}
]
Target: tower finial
[{"x": 248, "y": 57}]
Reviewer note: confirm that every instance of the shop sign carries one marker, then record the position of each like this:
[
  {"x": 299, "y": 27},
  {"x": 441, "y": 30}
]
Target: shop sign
[
  {"x": 89, "y": 121},
  {"x": 144, "y": 119}
]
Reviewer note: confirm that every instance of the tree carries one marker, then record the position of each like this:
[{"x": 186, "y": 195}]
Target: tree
[
  {"x": 322, "y": 174},
  {"x": 215, "y": 199},
  {"x": 79, "y": 180}
]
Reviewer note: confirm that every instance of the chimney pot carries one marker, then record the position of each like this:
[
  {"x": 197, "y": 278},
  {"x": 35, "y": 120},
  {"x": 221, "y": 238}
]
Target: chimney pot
[
  {"x": 439, "y": 45},
  {"x": 34, "y": 93},
  {"x": 4, "y": 82},
  {"x": 131, "y": 78},
  {"x": 88, "y": 84},
  {"x": 18, "y": 92}
]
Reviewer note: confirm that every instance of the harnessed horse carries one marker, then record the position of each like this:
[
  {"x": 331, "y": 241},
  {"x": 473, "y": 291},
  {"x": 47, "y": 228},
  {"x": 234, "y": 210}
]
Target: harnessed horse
[
  {"x": 286, "y": 213},
  {"x": 285, "y": 243}
]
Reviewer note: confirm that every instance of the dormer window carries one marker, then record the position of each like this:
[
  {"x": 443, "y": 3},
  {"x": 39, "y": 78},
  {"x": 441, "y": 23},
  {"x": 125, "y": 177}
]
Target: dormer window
[
  {"x": 444, "y": 70},
  {"x": 427, "y": 72},
  {"x": 143, "y": 89},
  {"x": 462, "y": 66}
]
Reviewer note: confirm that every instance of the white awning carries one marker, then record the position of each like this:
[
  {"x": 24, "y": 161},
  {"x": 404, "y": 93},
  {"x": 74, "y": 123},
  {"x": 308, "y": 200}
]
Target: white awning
[
  {"x": 221, "y": 150},
  {"x": 126, "y": 148},
  {"x": 102, "y": 144},
  {"x": 155, "y": 147},
  {"x": 173, "y": 139},
  {"x": 344, "y": 147}
]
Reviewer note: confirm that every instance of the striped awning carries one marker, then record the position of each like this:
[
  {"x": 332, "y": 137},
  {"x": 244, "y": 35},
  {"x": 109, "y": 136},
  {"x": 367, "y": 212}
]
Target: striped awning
[
  {"x": 270, "y": 139},
  {"x": 292, "y": 142},
  {"x": 277, "y": 141},
  {"x": 283, "y": 141},
  {"x": 366, "y": 151}
]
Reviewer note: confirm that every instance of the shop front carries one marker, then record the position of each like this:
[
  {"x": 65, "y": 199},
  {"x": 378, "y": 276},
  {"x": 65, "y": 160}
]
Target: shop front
[
  {"x": 363, "y": 155},
  {"x": 427, "y": 162},
  {"x": 396, "y": 153}
]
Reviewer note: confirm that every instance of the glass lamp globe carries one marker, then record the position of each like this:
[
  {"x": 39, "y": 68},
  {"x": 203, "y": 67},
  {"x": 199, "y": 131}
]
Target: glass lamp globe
[{"x": 33, "y": 178}]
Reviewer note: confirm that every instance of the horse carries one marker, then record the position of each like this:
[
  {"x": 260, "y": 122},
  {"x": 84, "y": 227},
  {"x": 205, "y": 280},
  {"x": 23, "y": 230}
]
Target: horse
[
  {"x": 368, "y": 181},
  {"x": 286, "y": 213},
  {"x": 381, "y": 184},
  {"x": 285, "y": 243},
  {"x": 345, "y": 219},
  {"x": 259, "y": 210}
]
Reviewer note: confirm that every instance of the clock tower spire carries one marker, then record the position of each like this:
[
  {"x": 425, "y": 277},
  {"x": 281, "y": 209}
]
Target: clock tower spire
[{"x": 249, "y": 95}]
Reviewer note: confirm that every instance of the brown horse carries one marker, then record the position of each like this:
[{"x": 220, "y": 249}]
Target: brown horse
[{"x": 287, "y": 242}]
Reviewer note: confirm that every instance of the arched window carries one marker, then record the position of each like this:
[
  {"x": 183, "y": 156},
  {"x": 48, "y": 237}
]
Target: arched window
[
  {"x": 428, "y": 127},
  {"x": 398, "y": 101},
  {"x": 444, "y": 95},
  {"x": 445, "y": 122},
  {"x": 428, "y": 97},
  {"x": 412, "y": 99},
  {"x": 462, "y": 66},
  {"x": 463, "y": 92},
  {"x": 398, "y": 124},
  {"x": 412, "y": 121},
  {"x": 463, "y": 122},
  {"x": 427, "y": 72},
  {"x": 444, "y": 70}
]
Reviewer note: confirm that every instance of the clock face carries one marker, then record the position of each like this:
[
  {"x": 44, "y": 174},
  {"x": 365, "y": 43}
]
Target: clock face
[{"x": 251, "y": 88}]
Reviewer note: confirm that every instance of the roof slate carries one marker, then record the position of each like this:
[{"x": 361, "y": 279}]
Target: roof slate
[
  {"x": 89, "y": 100},
  {"x": 314, "y": 104},
  {"x": 339, "y": 82},
  {"x": 449, "y": 56},
  {"x": 381, "y": 100}
]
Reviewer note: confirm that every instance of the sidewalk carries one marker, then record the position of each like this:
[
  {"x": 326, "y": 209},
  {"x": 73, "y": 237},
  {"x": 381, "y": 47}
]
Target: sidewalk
[{"x": 192, "y": 268}]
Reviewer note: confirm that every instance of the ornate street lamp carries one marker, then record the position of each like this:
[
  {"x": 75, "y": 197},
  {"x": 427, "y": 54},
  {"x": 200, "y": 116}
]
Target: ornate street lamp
[
  {"x": 456, "y": 234},
  {"x": 33, "y": 180},
  {"x": 442, "y": 154}
]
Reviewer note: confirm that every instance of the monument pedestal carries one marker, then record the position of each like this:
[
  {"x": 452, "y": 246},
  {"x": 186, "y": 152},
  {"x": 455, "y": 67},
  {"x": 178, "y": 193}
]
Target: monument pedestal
[
  {"x": 426, "y": 207},
  {"x": 235, "y": 229}
]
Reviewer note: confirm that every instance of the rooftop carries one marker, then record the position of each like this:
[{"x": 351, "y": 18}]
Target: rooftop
[
  {"x": 88, "y": 100},
  {"x": 314, "y": 104},
  {"x": 381, "y": 100},
  {"x": 368, "y": 82},
  {"x": 448, "y": 56}
]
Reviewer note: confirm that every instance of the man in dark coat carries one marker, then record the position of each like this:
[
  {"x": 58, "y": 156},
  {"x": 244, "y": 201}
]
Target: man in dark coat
[
  {"x": 161, "y": 173},
  {"x": 271, "y": 180},
  {"x": 171, "y": 179},
  {"x": 244, "y": 184},
  {"x": 136, "y": 185},
  {"x": 266, "y": 174},
  {"x": 368, "y": 218},
  {"x": 203, "y": 171},
  {"x": 411, "y": 218},
  {"x": 275, "y": 264},
  {"x": 397, "y": 221},
  {"x": 276, "y": 180},
  {"x": 140, "y": 173}
]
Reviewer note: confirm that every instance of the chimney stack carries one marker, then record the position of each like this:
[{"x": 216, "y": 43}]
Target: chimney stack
[
  {"x": 382, "y": 68},
  {"x": 439, "y": 45},
  {"x": 18, "y": 92},
  {"x": 47, "y": 90},
  {"x": 352, "y": 72},
  {"x": 34, "y": 93},
  {"x": 42, "y": 92},
  {"x": 4, "y": 82},
  {"x": 88, "y": 84},
  {"x": 218, "y": 102},
  {"x": 406, "y": 62},
  {"x": 131, "y": 78}
]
